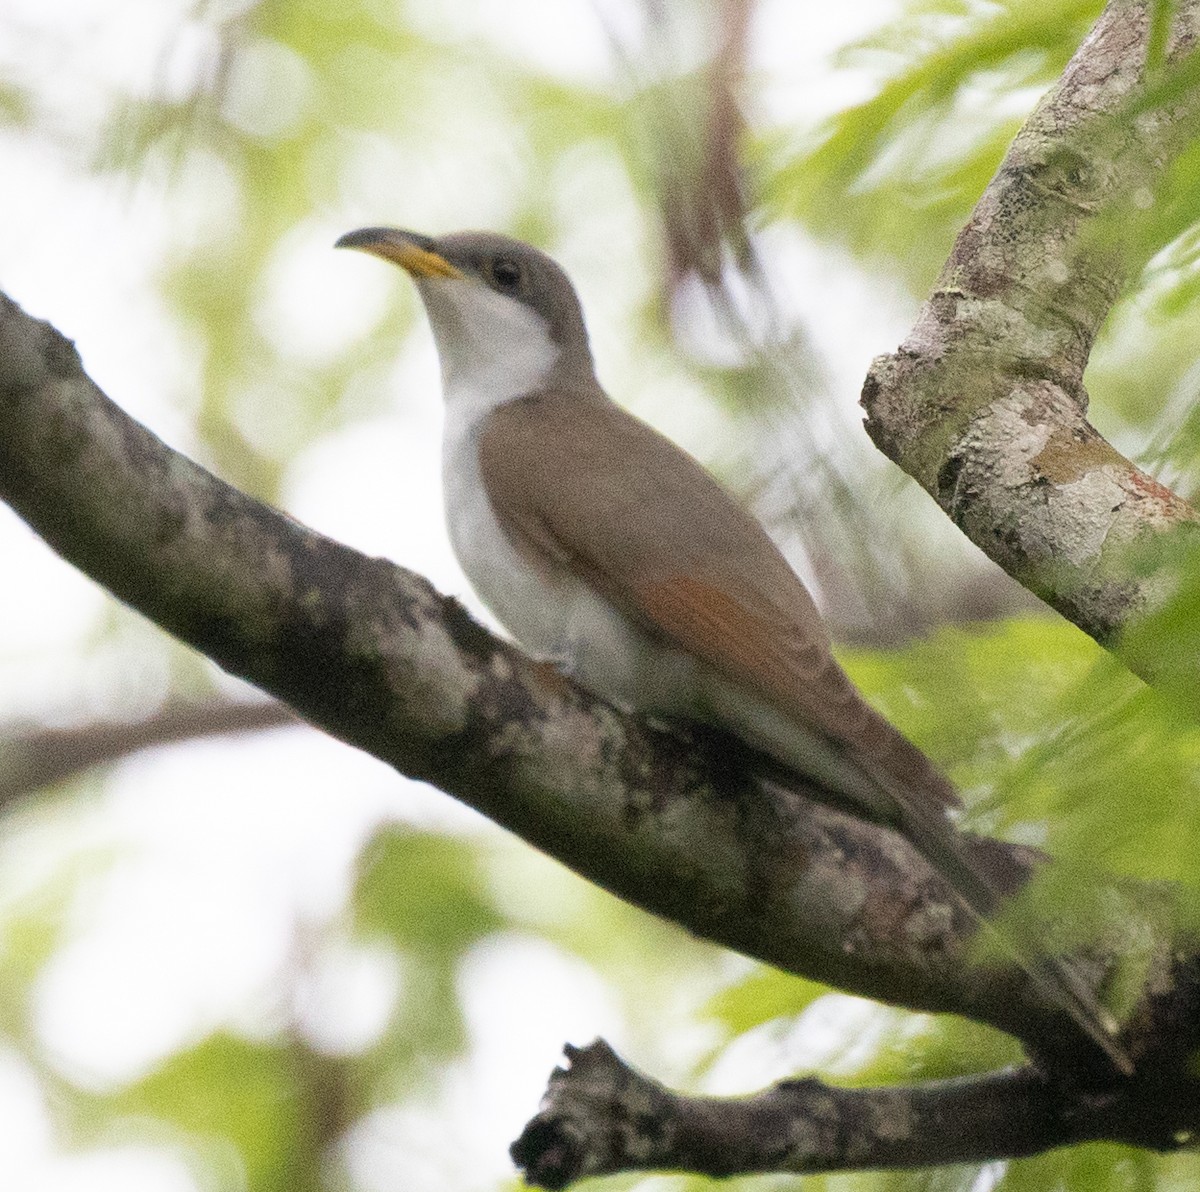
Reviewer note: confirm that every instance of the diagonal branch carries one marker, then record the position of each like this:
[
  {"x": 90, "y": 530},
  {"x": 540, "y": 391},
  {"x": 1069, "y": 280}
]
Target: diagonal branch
[
  {"x": 369, "y": 652},
  {"x": 673, "y": 823},
  {"x": 984, "y": 402}
]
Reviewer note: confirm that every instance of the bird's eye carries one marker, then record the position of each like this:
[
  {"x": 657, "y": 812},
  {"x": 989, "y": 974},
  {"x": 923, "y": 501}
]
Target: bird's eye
[{"x": 506, "y": 273}]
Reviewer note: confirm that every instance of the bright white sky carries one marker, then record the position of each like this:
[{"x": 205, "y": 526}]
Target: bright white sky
[{"x": 266, "y": 829}]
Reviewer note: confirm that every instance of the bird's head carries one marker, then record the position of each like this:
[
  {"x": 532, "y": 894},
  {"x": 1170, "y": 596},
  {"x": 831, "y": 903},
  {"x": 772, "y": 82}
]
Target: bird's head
[{"x": 502, "y": 312}]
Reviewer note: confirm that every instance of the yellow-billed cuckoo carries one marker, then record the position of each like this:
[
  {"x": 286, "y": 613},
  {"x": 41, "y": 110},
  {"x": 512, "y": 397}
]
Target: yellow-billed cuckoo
[{"x": 602, "y": 545}]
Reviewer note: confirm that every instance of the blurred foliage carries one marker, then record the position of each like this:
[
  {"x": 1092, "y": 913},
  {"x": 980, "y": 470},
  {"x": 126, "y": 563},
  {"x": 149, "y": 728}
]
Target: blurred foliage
[
  {"x": 1159, "y": 315},
  {"x": 1053, "y": 740},
  {"x": 294, "y": 109},
  {"x": 426, "y": 896},
  {"x": 895, "y": 177},
  {"x": 229, "y": 1092},
  {"x": 1158, "y": 643}
]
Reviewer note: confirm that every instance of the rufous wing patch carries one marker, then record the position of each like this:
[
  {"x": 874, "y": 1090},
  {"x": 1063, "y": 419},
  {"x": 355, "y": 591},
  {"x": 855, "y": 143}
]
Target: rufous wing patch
[
  {"x": 765, "y": 654},
  {"x": 727, "y": 633}
]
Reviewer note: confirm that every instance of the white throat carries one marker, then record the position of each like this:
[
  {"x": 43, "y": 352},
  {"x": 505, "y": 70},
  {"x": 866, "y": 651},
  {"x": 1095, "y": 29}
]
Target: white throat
[{"x": 492, "y": 348}]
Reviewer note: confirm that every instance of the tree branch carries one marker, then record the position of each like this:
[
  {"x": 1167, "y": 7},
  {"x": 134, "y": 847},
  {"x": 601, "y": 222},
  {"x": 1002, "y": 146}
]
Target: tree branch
[
  {"x": 36, "y": 758},
  {"x": 369, "y": 652},
  {"x": 600, "y": 1116},
  {"x": 984, "y": 402}
]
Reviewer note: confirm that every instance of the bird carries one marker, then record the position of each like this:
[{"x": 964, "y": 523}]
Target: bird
[{"x": 602, "y": 546}]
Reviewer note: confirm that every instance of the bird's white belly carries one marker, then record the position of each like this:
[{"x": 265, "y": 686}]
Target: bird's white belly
[
  {"x": 535, "y": 612},
  {"x": 551, "y": 611}
]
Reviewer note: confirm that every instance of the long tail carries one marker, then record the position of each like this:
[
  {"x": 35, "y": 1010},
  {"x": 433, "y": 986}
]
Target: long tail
[{"x": 937, "y": 840}]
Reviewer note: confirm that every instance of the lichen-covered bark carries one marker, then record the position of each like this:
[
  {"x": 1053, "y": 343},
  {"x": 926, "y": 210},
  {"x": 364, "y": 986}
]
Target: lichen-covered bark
[
  {"x": 984, "y": 402},
  {"x": 371, "y": 653}
]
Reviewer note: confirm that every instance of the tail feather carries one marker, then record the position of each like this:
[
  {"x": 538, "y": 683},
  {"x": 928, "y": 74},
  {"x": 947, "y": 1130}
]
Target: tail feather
[{"x": 936, "y": 839}]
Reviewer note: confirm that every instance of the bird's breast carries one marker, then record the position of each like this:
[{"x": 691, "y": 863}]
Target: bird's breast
[{"x": 532, "y": 607}]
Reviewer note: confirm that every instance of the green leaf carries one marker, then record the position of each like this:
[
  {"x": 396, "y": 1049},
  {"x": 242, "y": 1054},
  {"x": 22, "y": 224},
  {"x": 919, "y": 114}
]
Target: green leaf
[
  {"x": 1054, "y": 741},
  {"x": 254, "y": 1096},
  {"x": 426, "y": 893},
  {"x": 895, "y": 176},
  {"x": 763, "y": 995}
]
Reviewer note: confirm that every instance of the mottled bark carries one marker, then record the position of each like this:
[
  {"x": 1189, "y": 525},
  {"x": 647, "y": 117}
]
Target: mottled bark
[
  {"x": 984, "y": 402},
  {"x": 371, "y": 653}
]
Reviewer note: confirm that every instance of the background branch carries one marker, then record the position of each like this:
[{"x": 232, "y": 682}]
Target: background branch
[{"x": 41, "y": 757}]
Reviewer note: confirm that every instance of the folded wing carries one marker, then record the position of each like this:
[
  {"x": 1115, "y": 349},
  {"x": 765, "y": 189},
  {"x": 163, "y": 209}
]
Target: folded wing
[{"x": 676, "y": 553}]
